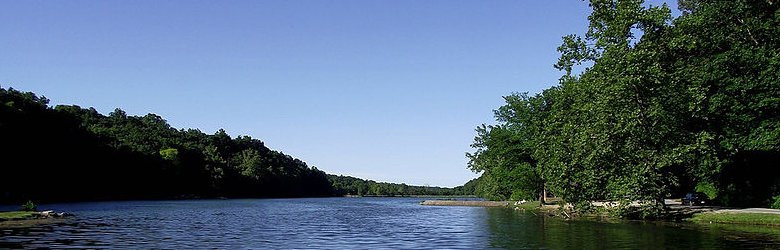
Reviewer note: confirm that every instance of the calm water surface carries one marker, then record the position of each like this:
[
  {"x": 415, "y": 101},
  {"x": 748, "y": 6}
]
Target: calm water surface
[{"x": 362, "y": 223}]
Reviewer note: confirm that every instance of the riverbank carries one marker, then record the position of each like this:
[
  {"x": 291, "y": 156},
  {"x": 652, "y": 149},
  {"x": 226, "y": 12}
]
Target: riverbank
[
  {"x": 29, "y": 218},
  {"x": 676, "y": 212},
  {"x": 725, "y": 215},
  {"x": 17, "y": 215},
  {"x": 741, "y": 218},
  {"x": 733, "y": 218}
]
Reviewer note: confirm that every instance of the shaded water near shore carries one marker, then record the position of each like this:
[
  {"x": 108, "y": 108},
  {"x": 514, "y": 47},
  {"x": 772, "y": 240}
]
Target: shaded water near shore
[{"x": 365, "y": 223}]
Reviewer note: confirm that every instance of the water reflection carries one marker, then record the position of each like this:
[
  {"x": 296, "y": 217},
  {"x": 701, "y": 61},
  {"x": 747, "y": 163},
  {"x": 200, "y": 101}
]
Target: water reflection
[{"x": 511, "y": 229}]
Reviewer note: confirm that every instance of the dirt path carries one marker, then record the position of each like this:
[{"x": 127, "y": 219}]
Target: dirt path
[
  {"x": 675, "y": 204},
  {"x": 729, "y": 209}
]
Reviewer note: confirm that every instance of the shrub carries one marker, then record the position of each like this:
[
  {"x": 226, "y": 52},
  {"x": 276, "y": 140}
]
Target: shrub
[
  {"x": 776, "y": 203},
  {"x": 29, "y": 206},
  {"x": 707, "y": 188}
]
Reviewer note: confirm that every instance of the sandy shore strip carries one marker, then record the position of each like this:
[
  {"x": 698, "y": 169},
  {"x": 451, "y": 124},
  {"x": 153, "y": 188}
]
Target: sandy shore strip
[{"x": 465, "y": 203}]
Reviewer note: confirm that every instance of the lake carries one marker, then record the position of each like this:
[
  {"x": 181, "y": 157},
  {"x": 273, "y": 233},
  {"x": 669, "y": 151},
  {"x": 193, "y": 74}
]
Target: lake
[{"x": 362, "y": 223}]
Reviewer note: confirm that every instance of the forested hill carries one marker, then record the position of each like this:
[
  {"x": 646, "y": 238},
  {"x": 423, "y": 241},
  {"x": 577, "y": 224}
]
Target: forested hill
[{"x": 69, "y": 153}]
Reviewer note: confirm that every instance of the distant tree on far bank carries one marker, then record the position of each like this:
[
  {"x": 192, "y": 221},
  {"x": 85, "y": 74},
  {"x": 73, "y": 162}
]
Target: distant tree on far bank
[{"x": 351, "y": 186}]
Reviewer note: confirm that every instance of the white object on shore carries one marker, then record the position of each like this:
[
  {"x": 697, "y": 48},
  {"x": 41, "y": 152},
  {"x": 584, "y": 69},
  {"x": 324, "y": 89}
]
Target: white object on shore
[{"x": 52, "y": 214}]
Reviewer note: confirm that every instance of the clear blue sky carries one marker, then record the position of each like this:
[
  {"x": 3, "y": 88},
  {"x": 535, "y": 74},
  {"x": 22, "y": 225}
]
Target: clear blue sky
[{"x": 389, "y": 90}]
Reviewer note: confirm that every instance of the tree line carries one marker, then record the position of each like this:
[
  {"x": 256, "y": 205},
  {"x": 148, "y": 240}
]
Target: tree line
[
  {"x": 649, "y": 107},
  {"x": 351, "y": 186},
  {"x": 70, "y": 153}
]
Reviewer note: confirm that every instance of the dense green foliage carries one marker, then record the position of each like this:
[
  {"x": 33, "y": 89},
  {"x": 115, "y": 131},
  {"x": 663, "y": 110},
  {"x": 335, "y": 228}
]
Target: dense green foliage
[
  {"x": 68, "y": 153},
  {"x": 668, "y": 106}
]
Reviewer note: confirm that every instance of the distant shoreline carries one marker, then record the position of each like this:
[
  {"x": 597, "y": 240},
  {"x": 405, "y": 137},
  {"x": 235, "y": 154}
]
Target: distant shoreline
[
  {"x": 465, "y": 203},
  {"x": 413, "y": 196}
]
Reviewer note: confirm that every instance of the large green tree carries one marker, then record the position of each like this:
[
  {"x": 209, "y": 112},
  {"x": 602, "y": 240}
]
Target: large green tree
[
  {"x": 650, "y": 106},
  {"x": 727, "y": 54}
]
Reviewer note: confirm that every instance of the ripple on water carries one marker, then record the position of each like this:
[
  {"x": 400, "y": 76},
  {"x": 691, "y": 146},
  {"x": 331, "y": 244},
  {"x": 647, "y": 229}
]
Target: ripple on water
[{"x": 339, "y": 223}]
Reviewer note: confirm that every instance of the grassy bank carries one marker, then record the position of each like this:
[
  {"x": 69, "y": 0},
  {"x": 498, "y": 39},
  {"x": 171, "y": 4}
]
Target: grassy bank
[
  {"x": 738, "y": 218},
  {"x": 16, "y": 215}
]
